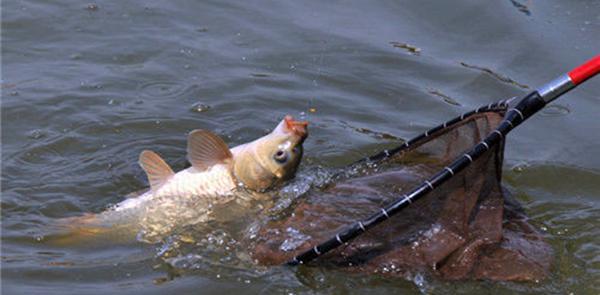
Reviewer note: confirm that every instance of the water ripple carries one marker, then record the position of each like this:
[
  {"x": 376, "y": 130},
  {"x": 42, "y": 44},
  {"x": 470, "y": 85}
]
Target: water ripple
[{"x": 163, "y": 89}]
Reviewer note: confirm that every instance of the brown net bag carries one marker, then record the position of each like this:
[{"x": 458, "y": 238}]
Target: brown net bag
[{"x": 468, "y": 227}]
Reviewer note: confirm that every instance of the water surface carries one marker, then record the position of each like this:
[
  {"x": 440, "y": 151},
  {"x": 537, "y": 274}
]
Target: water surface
[{"x": 86, "y": 87}]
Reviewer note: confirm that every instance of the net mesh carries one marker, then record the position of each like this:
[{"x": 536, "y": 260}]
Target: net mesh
[{"x": 469, "y": 227}]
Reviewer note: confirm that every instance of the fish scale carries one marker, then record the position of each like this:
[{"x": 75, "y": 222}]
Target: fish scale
[{"x": 215, "y": 181}]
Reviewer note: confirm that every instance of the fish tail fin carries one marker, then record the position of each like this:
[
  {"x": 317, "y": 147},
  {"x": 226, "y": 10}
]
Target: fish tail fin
[{"x": 78, "y": 230}]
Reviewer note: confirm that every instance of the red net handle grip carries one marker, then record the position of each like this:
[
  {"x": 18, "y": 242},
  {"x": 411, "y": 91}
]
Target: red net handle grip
[{"x": 585, "y": 71}]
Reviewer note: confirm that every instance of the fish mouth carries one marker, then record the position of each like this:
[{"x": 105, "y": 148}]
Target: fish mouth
[{"x": 299, "y": 128}]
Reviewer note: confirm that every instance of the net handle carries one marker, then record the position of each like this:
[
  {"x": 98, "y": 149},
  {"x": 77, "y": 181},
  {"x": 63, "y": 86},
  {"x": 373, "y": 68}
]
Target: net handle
[
  {"x": 585, "y": 71},
  {"x": 525, "y": 108},
  {"x": 566, "y": 82}
]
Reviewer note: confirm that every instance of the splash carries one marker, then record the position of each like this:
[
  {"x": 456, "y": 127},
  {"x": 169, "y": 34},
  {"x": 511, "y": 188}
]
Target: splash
[
  {"x": 294, "y": 241},
  {"x": 315, "y": 177}
]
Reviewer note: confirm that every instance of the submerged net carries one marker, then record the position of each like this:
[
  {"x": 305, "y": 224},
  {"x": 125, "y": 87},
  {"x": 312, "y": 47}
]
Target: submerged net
[{"x": 468, "y": 227}]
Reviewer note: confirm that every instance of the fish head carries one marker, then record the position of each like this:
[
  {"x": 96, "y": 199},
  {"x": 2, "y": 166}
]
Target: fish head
[{"x": 273, "y": 158}]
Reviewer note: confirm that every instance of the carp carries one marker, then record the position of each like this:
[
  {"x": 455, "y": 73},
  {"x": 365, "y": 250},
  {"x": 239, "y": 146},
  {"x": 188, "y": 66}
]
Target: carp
[{"x": 217, "y": 174}]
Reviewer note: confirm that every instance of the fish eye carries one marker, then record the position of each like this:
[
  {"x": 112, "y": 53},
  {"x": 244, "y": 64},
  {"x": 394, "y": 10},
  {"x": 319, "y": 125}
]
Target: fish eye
[{"x": 280, "y": 156}]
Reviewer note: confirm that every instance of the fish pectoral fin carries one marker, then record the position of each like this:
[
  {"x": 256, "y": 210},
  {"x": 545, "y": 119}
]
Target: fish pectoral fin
[
  {"x": 157, "y": 170},
  {"x": 206, "y": 149}
]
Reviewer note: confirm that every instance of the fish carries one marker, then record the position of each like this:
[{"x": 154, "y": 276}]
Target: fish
[{"x": 217, "y": 173}]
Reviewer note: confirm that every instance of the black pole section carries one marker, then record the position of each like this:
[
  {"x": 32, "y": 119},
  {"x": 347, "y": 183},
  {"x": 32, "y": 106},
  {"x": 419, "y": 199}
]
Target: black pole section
[{"x": 528, "y": 106}]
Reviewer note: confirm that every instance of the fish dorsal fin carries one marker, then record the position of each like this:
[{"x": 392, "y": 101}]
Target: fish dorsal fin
[
  {"x": 157, "y": 170},
  {"x": 206, "y": 149}
]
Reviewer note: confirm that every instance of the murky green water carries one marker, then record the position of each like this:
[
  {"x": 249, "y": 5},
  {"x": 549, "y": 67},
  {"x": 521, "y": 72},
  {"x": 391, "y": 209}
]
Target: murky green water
[{"x": 86, "y": 87}]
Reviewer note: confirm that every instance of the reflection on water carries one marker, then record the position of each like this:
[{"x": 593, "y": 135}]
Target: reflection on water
[{"x": 87, "y": 87}]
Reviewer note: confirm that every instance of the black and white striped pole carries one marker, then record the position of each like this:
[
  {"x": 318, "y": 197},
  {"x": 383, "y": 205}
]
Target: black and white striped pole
[{"x": 524, "y": 109}]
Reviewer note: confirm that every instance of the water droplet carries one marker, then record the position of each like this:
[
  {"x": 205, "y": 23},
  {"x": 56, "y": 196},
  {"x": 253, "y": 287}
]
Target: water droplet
[
  {"x": 200, "y": 107},
  {"x": 419, "y": 280},
  {"x": 75, "y": 56},
  {"x": 36, "y": 134},
  {"x": 92, "y": 7},
  {"x": 520, "y": 167}
]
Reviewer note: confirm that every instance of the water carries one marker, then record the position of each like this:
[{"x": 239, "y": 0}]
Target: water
[{"x": 87, "y": 86}]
